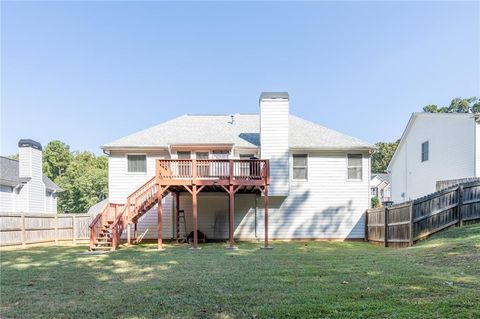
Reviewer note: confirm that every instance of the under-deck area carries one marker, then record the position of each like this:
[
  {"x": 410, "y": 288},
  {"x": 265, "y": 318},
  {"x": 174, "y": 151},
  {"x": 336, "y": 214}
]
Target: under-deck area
[{"x": 195, "y": 176}]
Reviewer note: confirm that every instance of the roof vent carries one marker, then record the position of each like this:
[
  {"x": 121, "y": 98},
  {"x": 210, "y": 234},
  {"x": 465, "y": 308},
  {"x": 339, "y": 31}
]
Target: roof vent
[{"x": 232, "y": 119}]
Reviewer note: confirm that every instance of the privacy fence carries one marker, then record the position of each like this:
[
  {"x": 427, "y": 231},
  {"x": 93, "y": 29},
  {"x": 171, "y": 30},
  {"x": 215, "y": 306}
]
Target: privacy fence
[
  {"x": 22, "y": 229},
  {"x": 402, "y": 224}
]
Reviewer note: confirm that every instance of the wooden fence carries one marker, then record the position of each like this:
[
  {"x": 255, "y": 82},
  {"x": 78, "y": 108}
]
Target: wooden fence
[
  {"x": 22, "y": 229},
  {"x": 402, "y": 224}
]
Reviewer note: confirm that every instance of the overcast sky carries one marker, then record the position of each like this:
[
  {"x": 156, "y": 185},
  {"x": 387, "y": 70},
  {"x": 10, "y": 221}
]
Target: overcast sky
[{"x": 88, "y": 73}]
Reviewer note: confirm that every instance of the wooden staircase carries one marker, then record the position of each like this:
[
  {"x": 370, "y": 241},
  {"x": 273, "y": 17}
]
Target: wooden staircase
[{"x": 107, "y": 227}]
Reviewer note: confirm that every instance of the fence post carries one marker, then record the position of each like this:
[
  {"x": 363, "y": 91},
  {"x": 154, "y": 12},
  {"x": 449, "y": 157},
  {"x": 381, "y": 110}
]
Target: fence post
[
  {"x": 56, "y": 228},
  {"x": 74, "y": 240},
  {"x": 366, "y": 225},
  {"x": 459, "y": 206},
  {"x": 411, "y": 225},
  {"x": 24, "y": 237},
  {"x": 386, "y": 227}
]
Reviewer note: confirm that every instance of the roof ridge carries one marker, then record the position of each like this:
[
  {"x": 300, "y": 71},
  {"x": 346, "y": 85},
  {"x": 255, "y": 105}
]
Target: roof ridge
[{"x": 8, "y": 158}]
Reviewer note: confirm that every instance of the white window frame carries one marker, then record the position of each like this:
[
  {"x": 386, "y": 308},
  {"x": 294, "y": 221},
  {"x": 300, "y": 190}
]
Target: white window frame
[
  {"x": 346, "y": 168},
  {"x": 136, "y": 173},
  {"x": 208, "y": 152},
  {"x": 428, "y": 151},
  {"x": 307, "y": 167}
]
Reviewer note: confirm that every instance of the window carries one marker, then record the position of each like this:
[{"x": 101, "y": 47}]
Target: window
[
  {"x": 183, "y": 155},
  {"x": 137, "y": 163},
  {"x": 201, "y": 155},
  {"x": 203, "y": 167},
  {"x": 220, "y": 154},
  {"x": 374, "y": 191},
  {"x": 300, "y": 167},
  {"x": 425, "y": 151},
  {"x": 246, "y": 156},
  {"x": 354, "y": 167}
]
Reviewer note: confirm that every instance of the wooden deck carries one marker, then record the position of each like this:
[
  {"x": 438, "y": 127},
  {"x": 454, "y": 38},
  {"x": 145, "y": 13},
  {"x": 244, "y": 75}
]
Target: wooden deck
[{"x": 174, "y": 177}]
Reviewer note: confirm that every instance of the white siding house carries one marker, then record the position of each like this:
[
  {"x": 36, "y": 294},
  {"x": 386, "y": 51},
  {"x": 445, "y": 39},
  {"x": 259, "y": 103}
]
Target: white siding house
[
  {"x": 434, "y": 147},
  {"x": 319, "y": 186},
  {"x": 23, "y": 187}
]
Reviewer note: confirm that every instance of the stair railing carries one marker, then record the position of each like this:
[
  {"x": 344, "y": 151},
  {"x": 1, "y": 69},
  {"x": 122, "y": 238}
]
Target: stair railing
[{"x": 97, "y": 224}]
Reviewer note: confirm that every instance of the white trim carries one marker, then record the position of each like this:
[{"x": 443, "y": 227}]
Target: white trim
[
  {"x": 291, "y": 165},
  {"x": 136, "y": 173},
  {"x": 346, "y": 168},
  {"x": 428, "y": 151}
]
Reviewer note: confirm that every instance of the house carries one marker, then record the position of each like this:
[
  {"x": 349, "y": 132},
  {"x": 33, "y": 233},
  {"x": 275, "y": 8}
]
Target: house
[
  {"x": 23, "y": 187},
  {"x": 434, "y": 147},
  {"x": 380, "y": 187},
  {"x": 309, "y": 182}
]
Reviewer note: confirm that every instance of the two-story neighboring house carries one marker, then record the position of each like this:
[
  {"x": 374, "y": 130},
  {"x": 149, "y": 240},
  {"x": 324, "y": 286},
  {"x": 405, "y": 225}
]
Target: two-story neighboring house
[
  {"x": 380, "y": 187},
  {"x": 23, "y": 187},
  {"x": 434, "y": 147},
  {"x": 318, "y": 183}
]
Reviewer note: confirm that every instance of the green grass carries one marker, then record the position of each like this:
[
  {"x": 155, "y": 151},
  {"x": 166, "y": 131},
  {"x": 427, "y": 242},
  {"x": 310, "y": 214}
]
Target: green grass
[{"x": 438, "y": 278}]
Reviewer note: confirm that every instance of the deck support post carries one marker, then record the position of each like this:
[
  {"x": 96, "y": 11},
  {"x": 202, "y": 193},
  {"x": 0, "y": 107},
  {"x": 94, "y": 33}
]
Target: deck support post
[
  {"x": 159, "y": 216},
  {"x": 231, "y": 219},
  {"x": 195, "y": 219},
  {"x": 177, "y": 220},
  {"x": 266, "y": 202},
  {"x": 135, "y": 232},
  {"x": 129, "y": 239}
]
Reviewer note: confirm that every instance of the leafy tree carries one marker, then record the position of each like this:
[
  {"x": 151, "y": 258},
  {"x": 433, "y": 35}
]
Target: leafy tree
[
  {"x": 13, "y": 156},
  {"x": 457, "y": 105},
  {"x": 85, "y": 182},
  {"x": 56, "y": 159},
  {"x": 382, "y": 156}
]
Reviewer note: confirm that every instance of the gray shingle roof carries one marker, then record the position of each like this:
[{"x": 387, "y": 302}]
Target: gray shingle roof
[
  {"x": 383, "y": 176},
  {"x": 9, "y": 175},
  {"x": 244, "y": 132}
]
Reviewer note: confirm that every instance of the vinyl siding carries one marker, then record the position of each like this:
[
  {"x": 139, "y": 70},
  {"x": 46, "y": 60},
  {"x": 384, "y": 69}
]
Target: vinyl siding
[
  {"x": 122, "y": 184},
  {"x": 451, "y": 155},
  {"x": 326, "y": 206},
  {"x": 36, "y": 191},
  {"x": 274, "y": 132},
  {"x": 477, "y": 149},
  {"x": 6, "y": 198}
]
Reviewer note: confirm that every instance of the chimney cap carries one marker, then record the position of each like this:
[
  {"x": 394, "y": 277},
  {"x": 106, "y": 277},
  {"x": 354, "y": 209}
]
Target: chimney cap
[
  {"x": 274, "y": 95},
  {"x": 30, "y": 143}
]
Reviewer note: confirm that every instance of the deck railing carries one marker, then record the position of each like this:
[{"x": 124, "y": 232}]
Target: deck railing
[{"x": 213, "y": 169}]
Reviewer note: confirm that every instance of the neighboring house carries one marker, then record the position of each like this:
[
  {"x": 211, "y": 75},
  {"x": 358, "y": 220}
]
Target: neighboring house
[
  {"x": 380, "y": 187},
  {"x": 23, "y": 187},
  {"x": 319, "y": 178},
  {"x": 434, "y": 147}
]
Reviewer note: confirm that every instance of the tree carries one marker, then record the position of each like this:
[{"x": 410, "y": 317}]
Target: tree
[
  {"x": 375, "y": 202},
  {"x": 382, "y": 156},
  {"x": 457, "y": 105},
  {"x": 85, "y": 182},
  {"x": 13, "y": 157},
  {"x": 56, "y": 159}
]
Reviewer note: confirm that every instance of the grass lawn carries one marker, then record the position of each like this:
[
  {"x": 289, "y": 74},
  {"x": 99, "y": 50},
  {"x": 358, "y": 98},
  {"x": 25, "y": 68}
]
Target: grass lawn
[{"x": 438, "y": 278}]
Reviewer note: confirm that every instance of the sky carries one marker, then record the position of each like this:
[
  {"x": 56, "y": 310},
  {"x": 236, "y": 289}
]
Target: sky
[{"x": 88, "y": 73}]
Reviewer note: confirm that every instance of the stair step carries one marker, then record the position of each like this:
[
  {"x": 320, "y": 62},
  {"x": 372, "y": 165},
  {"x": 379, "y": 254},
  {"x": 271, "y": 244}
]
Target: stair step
[
  {"x": 103, "y": 243},
  {"x": 101, "y": 248}
]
